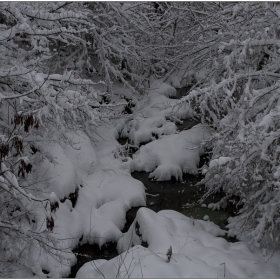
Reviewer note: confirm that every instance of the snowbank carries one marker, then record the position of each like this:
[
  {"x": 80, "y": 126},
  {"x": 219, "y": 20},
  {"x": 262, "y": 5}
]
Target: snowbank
[
  {"x": 151, "y": 113},
  {"x": 143, "y": 130},
  {"x": 182, "y": 77},
  {"x": 100, "y": 211},
  {"x": 197, "y": 252},
  {"x": 172, "y": 155},
  {"x": 81, "y": 153},
  {"x": 104, "y": 195},
  {"x": 105, "y": 192},
  {"x": 55, "y": 173},
  {"x": 175, "y": 81}
]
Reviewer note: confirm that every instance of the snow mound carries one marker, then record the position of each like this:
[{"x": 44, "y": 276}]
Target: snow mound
[
  {"x": 172, "y": 155},
  {"x": 148, "y": 228},
  {"x": 124, "y": 188},
  {"x": 143, "y": 130},
  {"x": 175, "y": 81},
  {"x": 160, "y": 87},
  {"x": 100, "y": 211},
  {"x": 121, "y": 91},
  {"x": 60, "y": 171},
  {"x": 197, "y": 252},
  {"x": 101, "y": 231},
  {"x": 86, "y": 269},
  {"x": 81, "y": 153},
  {"x": 56, "y": 173},
  {"x": 105, "y": 193}
]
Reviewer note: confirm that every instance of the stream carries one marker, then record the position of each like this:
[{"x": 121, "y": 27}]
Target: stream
[{"x": 165, "y": 195}]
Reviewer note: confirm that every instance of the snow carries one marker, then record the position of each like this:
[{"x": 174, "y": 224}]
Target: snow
[
  {"x": 53, "y": 198},
  {"x": 126, "y": 189},
  {"x": 197, "y": 252},
  {"x": 267, "y": 121},
  {"x": 114, "y": 211},
  {"x": 105, "y": 193},
  {"x": 276, "y": 174},
  {"x": 160, "y": 87},
  {"x": 56, "y": 173},
  {"x": 81, "y": 153},
  {"x": 99, "y": 214},
  {"x": 143, "y": 130},
  {"x": 219, "y": 161},
  {"x": 206, "y": 218},
  {"x": 172, "y": 155},
  {"x": 121, "y": 91},
  {"x": 175, "y": 81},
  {"x": 87, "y": 267},
  {"x": 150, "y": 116}
]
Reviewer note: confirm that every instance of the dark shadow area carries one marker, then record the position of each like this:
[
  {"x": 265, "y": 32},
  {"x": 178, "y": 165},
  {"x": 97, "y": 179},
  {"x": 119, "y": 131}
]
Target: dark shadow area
[{"x": 89, "y": 252}]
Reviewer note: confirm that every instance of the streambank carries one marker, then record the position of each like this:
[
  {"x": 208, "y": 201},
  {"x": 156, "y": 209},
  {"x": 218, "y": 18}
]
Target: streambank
[{"x": 181, "y": 196}]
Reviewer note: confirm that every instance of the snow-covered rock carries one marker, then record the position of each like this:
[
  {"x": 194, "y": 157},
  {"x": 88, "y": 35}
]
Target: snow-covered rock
[
  {"x": 100, "y": 211},
  {"x": 143, "y": 130},
  {"x": 197, "y": 252},
  {"x": 206, "y": 218},
  {"x": 124, "y": 188},
  {"x": 175, "y": 81},
  {"x": 172, "y": 155}
]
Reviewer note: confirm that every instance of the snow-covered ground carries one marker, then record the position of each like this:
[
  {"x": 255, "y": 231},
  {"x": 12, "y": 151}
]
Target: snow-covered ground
[
  {"x": 194, "y": 251},
  {"x": 106, "y": 190}
]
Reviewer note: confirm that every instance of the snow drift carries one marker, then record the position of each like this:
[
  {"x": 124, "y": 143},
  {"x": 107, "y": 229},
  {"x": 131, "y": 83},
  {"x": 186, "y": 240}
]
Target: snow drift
[
  {"x": 197, "y": 252},
  {"x": 172, "y": 155}
]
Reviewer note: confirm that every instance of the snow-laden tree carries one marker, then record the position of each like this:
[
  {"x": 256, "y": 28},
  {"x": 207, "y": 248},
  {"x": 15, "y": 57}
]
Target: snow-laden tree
[
  {"x": 42, "y": 99},
  {"x": 136, "y": 40},
  {"x": 50, "y": 55},
  {"x": 241, "y": 100},
  {"x": 132, "y": 41}
]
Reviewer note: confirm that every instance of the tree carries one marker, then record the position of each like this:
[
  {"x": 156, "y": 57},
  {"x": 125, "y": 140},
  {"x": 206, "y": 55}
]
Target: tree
[
  {"x": 40, "y": 101},
  {"x": 241, "y": 100},
  {"x": 48, "y": 54}
]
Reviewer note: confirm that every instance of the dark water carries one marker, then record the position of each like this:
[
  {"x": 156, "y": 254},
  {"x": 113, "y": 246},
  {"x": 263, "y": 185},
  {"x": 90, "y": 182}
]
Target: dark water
[
  {"x": 123, "y": 141},
  {"x": 89, "y": 252},
  {"x": 181, "y": 92},
  {"x": 182, "y": 197},
  {"x": 187, "y": 124},
  {"x": 167, "y": 195}
]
